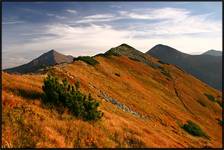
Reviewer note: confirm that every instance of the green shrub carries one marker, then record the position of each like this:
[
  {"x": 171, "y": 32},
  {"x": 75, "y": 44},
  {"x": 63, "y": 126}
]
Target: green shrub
[
  {"x": 194, "y": 129},
  {"x": 111, "y": 52},
  {"x": 221, "y": 122},
  {"x": 56, "y": 93},
  {"x": 220, "y": 103},
  {"x": 166, "y": 72},
  {"x": 117, "y": 74},
  {"x": 135, "y": 59},
  {"x": 210, "y": 97},
  {"x": 87, "y": 59},
  {"x": 161, "y": 62},
  {"x": 101, "y": 54}
]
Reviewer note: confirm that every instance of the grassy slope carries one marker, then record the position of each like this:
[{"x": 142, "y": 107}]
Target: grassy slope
[{"x": 26, "y": 122}]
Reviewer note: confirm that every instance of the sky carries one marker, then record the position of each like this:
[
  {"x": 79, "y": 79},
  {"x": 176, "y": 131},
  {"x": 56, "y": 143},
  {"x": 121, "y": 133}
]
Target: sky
[{"x": 88, "y": 28}]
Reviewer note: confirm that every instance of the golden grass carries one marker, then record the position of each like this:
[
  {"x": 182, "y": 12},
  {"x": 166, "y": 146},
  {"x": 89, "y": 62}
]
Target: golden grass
[{"x": 28, "y": 123}]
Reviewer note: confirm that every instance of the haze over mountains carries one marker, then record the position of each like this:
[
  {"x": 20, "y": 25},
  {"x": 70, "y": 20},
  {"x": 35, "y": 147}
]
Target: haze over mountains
[{"x": 206, "y": 67}]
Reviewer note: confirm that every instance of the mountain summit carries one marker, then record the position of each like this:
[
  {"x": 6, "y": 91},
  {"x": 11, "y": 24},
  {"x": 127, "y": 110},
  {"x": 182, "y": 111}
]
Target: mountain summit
[
  {"x": 213, "y": 53},
  {"x": 122, "y": 49},
  {"x": 49, "y": 58},
  {"x": 205, "y": 67},
  {"x": 161, "y": 49}
]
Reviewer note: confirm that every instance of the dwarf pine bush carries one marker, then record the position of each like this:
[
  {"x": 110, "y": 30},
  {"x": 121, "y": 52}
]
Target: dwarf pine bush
[
  {"x": 87, "y": 59},
  {"x": 69, "y": 96},
  {"x": 194, "y": 129}
]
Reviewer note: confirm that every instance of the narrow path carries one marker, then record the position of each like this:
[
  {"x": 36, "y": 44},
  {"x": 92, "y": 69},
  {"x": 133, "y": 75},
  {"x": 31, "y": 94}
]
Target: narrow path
[{"x": 179, "y": 96}]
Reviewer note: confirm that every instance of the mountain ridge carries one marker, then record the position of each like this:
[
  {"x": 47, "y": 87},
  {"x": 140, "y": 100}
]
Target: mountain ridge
[
  {"x": 205, "y": 67},
  {"x": 47, "y": 59}
]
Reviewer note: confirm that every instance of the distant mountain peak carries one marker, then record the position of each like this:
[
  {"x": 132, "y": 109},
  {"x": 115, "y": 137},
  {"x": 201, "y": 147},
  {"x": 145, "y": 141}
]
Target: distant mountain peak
[
  {"x": 49, "y": 58},
  {"x": 123, "y": 49},
  {"x": 161, "y": 49},
  {"x": 213, "y": 52},
  {"x": 206, "y": 67},
  {"x": 124, "y": 45}
]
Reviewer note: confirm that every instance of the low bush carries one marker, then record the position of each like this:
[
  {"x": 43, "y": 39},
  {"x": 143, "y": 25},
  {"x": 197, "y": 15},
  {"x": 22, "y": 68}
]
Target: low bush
[
  {"x": 220, "y": 103},
  {"x": 221, "y": 122},
  {"x": 135, "y": 59},
  {"x": 160, "y": 61},
  {"x": 111, "y": 52},
  {"x": 64, "y": 94},
  {"x": 210, "y": 97},
  {"x": 194, "y": 129},
  {"x": 87, "y": 59},
  {"x": 166, "y": 72},
  {"x": 117, "y": 74}
]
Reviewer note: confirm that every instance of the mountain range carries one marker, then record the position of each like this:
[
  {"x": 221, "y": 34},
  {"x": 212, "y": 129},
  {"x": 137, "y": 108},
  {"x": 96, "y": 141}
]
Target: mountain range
[
  {"x": 206, "y": 67},
  {"x": 146, "y": 103}
]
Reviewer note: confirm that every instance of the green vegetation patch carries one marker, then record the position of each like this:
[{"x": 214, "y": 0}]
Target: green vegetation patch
[
  {"x": 166, "y": 73},
  {"x": 161, "y": 62},
  {"x": 101, "y": 55},
  {"x": 117, "y": 74},
  {"x": 221, "y": 122},
  {"x": 67, "y": 95},
  {"x": 194, "y": 129},
  {"x": 220, "y": 103},
  {"x": 210, "y": 97},
  {"x": 135, "y": 59},
  {"x": 87, "y": 59}
]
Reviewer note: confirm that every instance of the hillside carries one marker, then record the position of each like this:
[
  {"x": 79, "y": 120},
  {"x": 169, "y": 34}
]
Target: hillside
[
  {"x": 145, "y": 103},
  {"x": 213, "y": 53},
  {"x": 47, "y": 59},
  {"x": 207, "y": 68}
]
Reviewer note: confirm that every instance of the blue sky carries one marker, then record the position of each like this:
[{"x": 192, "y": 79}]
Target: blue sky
[{"x": 88, "y": 28}]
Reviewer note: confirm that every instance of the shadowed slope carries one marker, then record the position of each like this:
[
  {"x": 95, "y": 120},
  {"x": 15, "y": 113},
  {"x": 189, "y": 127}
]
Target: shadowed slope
[{"x": 207, "y": 68}]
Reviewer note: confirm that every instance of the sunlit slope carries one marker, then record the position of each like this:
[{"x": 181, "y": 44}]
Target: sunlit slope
[{"x": 143, "y": 106}]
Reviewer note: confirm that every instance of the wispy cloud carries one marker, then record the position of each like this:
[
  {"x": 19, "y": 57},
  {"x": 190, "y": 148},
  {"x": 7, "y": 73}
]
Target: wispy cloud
[
  {"x": 155, "y": 14},
  {"x": 12, "y": 22},
  {"x": 72, "y": 11},
  {"x": 92, "y": 34},
  {"x": 98, "y": 18},
  {"x": 56, "y": 16}
]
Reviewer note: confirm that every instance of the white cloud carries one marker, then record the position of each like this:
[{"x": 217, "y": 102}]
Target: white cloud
[
  {"x": 56, "y": 16},
  {"x": 153, "y": 14},
  {"x": 98, "y": 18},
  {"x": 12, "y": 22},
  {"x": 177, "y": 28},
  {"x": 72, "y": 11}
]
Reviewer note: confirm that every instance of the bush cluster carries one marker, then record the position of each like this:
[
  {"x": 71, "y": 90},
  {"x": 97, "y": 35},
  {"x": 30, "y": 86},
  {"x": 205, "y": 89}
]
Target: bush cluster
[
  {"x": 64, "y": 94},
  {"x": 87, "y": 59},
  {"x": 117, "y": 74},
  {"x": 135, "y": 59},
  {"x": 194, "y": 129},
  {"x": 166, "y": 72},
  {"x": 210, "y": 97}
]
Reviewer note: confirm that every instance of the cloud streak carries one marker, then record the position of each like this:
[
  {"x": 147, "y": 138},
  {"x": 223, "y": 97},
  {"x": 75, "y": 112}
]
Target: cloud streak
[
  {"x": 72, "y": 11},
  {"x": 143, "y": 28}
]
